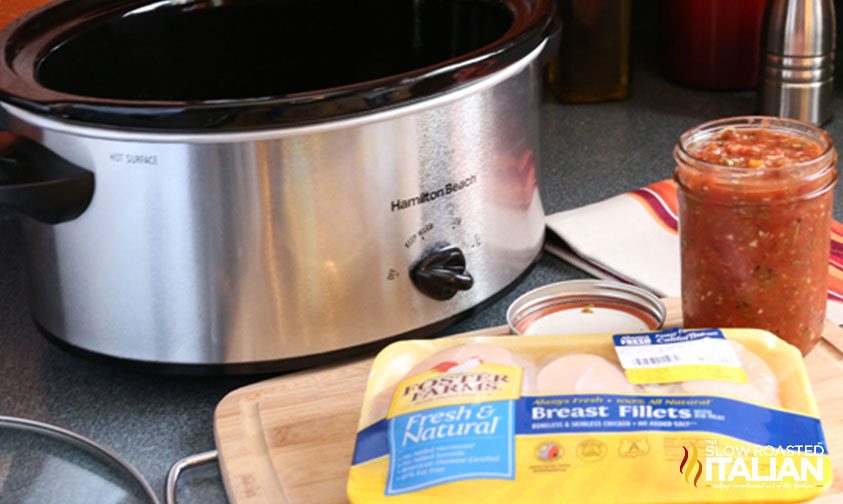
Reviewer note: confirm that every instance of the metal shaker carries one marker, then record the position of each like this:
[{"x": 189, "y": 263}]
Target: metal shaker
[{"x": 797, "y": 74}]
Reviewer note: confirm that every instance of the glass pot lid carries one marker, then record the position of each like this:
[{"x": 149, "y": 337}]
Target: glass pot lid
[{"x": 42, "y": 464}]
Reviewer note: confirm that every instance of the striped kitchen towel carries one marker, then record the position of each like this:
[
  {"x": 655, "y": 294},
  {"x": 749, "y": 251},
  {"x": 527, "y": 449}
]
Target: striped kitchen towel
[{"x": 634, "y": 238}]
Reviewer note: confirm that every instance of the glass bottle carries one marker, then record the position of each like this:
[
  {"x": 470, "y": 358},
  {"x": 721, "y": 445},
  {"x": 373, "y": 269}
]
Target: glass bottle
[{"x": 593, "y": 60}]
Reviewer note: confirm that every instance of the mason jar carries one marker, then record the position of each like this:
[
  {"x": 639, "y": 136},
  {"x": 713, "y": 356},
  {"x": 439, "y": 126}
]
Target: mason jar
[{"x": 755, "y": 210}]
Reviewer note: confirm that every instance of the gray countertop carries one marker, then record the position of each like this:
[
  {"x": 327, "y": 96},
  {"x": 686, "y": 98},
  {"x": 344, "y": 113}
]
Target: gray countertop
[{"x": 589, "y": 153}]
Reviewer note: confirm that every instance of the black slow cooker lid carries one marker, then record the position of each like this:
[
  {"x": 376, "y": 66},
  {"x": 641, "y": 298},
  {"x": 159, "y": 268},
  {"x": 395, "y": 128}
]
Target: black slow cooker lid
[{"x": 243, "y": 64}]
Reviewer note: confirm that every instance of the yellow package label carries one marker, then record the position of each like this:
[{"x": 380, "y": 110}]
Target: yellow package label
[
  {"x": 456, "y": 383},
  {"x": 555, "y": 420},
  {"x": 678, "y": 355}
]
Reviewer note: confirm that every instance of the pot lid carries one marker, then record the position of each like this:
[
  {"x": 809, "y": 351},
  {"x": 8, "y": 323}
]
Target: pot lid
[
  {"x": 194, "y": 65},
  {"x": 42, "y": 463}
]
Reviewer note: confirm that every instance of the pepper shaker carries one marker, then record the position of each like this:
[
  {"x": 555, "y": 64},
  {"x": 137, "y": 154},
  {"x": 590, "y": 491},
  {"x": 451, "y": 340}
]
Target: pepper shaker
[{"x": 798, "y": 60}]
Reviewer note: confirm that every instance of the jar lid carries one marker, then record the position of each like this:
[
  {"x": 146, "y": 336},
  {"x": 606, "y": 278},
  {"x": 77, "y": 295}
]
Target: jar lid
[
  {"x": 41, "y": 463},
  {"x": 585, "y": 306}
]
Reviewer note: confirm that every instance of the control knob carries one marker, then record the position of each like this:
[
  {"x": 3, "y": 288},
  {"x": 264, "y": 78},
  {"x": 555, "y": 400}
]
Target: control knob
[{"x": 441, "y": 273}]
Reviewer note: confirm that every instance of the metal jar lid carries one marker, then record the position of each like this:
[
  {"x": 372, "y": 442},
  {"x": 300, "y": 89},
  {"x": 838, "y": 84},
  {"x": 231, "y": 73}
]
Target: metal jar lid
[{"x": 590, "y": 306}]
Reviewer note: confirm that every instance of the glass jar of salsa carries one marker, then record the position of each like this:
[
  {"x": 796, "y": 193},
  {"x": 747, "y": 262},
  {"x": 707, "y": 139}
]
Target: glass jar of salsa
[{"x": 755, "y": 203}]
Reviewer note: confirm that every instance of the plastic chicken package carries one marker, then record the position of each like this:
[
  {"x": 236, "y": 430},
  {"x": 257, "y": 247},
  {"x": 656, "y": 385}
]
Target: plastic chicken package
[{"x": 675, "y": 416}]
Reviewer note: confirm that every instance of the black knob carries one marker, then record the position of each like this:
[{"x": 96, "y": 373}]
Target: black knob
[{"x": 441, "y": 273}]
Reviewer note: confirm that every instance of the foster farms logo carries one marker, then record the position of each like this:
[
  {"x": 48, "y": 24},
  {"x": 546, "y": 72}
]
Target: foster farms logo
[
  {"x": 455, "y": 378},
  {"x": 449, "y": 383}
]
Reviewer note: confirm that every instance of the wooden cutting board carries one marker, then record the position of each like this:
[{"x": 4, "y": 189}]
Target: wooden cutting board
[{"x": 290, "y": 439}]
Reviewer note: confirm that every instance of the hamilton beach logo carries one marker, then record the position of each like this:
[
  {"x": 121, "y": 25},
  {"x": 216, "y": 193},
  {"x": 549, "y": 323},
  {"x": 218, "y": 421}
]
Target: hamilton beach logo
[
  {"x": 433, "y": 195},
  {"x": 691, "y": 465},
  {"x": 455, "y": 378}
]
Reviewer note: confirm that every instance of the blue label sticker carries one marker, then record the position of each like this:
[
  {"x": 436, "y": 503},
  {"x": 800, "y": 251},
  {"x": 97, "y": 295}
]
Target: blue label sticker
[
  {"x": 451, "y": 443},
  {"x": 587, "y": 413},
  {"x": 560, "y": 414},
  {"x": 666, "y": 337}
]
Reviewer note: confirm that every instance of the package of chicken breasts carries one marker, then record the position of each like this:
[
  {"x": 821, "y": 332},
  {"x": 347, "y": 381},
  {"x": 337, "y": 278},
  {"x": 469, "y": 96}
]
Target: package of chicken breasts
[{"x": 674, "y": 416}]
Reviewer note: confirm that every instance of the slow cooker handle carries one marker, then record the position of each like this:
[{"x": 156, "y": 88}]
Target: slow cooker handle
[{"x": 35, "y": 181}]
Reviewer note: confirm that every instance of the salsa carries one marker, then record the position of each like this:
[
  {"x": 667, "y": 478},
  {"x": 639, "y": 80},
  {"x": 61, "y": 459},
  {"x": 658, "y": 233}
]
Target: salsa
[
  {"x": 755, "y": 215},
  {"x": 756, "y": 148}
]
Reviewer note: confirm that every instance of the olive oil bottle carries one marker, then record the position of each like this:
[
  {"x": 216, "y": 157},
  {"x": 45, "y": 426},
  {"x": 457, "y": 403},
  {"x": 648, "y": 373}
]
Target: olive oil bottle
[{"x": 593, "y": 60}]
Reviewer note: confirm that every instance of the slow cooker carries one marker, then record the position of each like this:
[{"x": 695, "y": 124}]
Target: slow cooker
[{"x": 253, "y": 185}]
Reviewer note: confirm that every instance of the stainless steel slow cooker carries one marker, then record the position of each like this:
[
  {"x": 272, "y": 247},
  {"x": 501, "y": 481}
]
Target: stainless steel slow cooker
[{"x": 246, "y": 185}]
